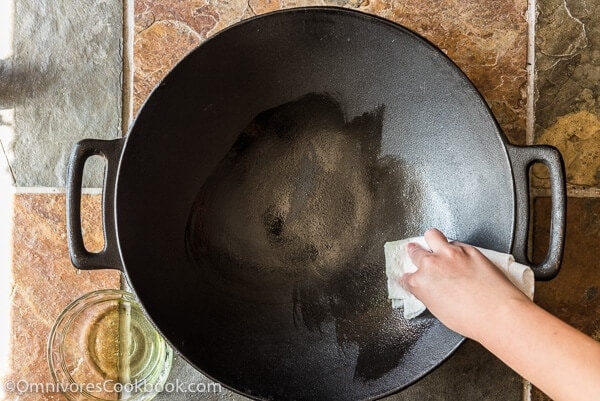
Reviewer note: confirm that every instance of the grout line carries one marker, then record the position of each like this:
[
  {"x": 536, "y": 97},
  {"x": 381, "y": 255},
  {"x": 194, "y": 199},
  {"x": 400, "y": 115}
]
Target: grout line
[
  {"x": 572, "y": 192},
  {"x": 584, "y": 192},
  {"x": 526, "y": 390},
  {"x": 128, "y": 89},
  {"x": 51, "y": 190},
  {"x": 531, "y": 72},
  {"x": 530, "y": 117},
  {"x": 535, "y": 192},
  {"x": 128, "y": 67}
]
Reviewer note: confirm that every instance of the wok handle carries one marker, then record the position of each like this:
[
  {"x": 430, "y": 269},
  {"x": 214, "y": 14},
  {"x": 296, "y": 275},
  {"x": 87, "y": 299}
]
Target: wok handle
[
  {"x": 109, "y": 257},
  {"x": 522, "y": 157}
]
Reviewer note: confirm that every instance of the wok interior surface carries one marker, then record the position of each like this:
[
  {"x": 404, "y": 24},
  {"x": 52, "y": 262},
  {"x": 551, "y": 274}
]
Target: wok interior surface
[{"x": 262, "y": 178}]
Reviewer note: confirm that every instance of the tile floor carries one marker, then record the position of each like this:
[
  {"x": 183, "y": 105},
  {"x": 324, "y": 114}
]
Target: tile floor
[{"x": 50, "y": 82}]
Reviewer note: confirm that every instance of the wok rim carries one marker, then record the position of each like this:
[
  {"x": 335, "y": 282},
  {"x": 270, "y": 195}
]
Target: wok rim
[{"x": 334, "y": 11}]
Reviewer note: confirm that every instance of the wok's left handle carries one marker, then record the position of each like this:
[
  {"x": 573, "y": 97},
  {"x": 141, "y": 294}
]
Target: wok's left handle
[
  {"x": 109, "y": 257},
  {"x": 522, "y": 158}
]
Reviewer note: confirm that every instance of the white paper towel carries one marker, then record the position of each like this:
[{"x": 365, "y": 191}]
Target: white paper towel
[{"x": 397, "y": 263}]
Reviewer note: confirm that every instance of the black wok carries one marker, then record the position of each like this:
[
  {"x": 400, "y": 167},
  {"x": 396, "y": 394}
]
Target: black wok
[{"x": 249, "y": 203}]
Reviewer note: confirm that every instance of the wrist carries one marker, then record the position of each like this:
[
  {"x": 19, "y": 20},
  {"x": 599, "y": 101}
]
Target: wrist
[{"x": 497, "y": 318}]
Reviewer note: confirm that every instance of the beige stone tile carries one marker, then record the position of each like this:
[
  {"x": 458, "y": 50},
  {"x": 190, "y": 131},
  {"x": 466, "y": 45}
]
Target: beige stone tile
[
  {"x": 486, "y": 39},
  {"x": 576, "y": 136},
  {"x": 567, "y": 107},
  {"x": 44, "y": 282},
  {"x": 156, "y": 50}
]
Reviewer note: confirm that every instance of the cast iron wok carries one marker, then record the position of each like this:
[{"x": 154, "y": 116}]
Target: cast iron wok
[{"x": 249, "y": 203}]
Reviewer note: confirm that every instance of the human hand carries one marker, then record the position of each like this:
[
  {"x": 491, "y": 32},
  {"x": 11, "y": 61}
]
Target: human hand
[
  {"x": 458, "y": 284},
  {"x": 471, "y": 296}
]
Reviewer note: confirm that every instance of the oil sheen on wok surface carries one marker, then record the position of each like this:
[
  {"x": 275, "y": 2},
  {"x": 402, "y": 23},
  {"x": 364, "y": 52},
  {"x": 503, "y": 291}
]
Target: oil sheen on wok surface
[{"x": 290, "y": 227}]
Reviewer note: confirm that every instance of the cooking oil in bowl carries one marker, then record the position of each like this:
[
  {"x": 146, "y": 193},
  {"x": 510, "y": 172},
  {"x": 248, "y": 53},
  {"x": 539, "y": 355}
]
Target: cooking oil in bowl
[{"x": 102, "y": 347}]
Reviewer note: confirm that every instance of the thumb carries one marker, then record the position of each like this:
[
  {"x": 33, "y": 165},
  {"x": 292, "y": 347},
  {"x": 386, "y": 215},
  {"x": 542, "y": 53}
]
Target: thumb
[
  {"x": 411, "y": 283},
  {"x": 407, "y": 281},
  {"x": 416, "y": 253}
]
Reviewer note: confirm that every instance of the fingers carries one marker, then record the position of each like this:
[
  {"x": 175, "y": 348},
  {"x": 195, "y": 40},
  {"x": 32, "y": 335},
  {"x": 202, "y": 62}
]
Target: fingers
[
  {"x": 416, "y": 253},
  {"x": 435, "y": 239},
  {"x": 407, "y": 282}
]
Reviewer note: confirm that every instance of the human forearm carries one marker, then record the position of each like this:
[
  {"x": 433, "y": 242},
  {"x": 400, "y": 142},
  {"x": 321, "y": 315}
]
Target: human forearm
[
  {"x": 555, "y": 357},
  {"x": 485, "y": 306}
]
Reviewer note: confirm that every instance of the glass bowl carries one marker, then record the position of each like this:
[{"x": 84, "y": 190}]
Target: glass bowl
[{"x": 102, "y": 347}]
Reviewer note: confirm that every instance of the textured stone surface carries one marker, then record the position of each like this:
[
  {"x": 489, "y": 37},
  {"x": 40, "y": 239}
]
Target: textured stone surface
[
  {"x": 472, "y": 374},
  {"x": 44, "y": 282},
  {"x": 486, "y": 39},
  {"x": 566, "y": 59},
  {"x": 574, "y": 295},
  {"x": 63, "y": 82},
  {"x": 567, "y": 111},
  {"x": 567, "y": 107},
  {"x": 167, "y": 30},
  {"x": 152, "y": 42},
  {"x": 577, "y": 136},
  {"x": 6, "y": 134}
]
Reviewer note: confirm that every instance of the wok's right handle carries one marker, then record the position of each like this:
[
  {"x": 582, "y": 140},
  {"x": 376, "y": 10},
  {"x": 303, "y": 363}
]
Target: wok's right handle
[
  {"x": 109, "y": 257},
  {"x": 522, "y": 157}
]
